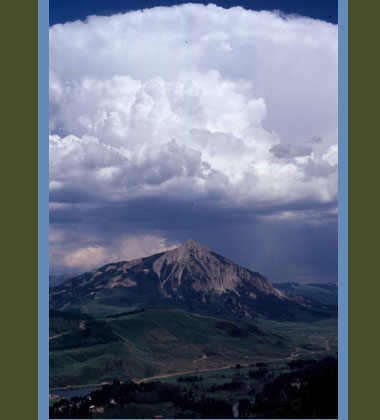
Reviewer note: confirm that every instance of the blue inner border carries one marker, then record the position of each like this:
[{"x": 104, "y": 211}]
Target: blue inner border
[
  {"x": 343, "y": 210},
  {"x": 43, "y": 209}
]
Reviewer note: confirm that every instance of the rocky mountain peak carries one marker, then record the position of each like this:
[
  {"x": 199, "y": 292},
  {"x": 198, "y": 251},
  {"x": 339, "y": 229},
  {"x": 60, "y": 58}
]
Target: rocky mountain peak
[
  {"x": 185, "y": 253},
  {"x": 192, "y": 276},
  {"x": 194, "y": 266}
]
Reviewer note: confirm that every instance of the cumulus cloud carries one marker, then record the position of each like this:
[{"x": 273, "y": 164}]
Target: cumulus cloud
[
  {"x": 319, "y": 170},
  {"x": 331, "y": 155},
  {"x": 289, "y": 60},
  {"x": 187, "y": 104},
  {"x": 75, "y": 252}
]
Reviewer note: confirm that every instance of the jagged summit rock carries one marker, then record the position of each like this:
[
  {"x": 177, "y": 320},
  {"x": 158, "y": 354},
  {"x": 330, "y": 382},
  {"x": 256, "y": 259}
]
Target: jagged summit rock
[
  {"x": 188, "y": 250},
  {"x": 192, "y": 277},
  {"x": 194, "y": 266}
]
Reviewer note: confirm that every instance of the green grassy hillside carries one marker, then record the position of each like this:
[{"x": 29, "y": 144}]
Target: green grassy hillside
[{"x": 159, "y": 341}]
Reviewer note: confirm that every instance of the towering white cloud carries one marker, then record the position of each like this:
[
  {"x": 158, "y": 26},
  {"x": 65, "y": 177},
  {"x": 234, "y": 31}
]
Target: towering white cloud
[{"x": 234, "y": 107}]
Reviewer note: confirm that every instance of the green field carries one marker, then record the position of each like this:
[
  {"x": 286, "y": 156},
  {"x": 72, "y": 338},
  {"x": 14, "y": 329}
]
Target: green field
[{"x": 156, "y": 342}]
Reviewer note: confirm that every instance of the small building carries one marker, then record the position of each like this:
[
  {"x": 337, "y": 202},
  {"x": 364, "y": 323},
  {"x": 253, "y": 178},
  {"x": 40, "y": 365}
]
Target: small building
[{"x": 94, "y": 409}]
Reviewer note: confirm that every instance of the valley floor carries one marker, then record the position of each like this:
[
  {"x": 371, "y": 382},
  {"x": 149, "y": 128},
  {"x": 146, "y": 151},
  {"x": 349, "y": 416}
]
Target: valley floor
[
  {"x": 159, "y": 343},
  {"x": 168, "y": 363}
]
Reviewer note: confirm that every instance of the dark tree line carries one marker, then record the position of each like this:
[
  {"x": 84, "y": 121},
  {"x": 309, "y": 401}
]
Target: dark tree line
[
  {"x": 311, "y": 391},
  {"x": 121, "y": 394}
]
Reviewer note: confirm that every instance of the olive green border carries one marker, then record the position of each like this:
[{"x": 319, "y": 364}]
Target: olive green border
[
  {"x": 18, "y": 176},
  {"x": 364, "y": 210},
  {"x": 19, "y": 208}
]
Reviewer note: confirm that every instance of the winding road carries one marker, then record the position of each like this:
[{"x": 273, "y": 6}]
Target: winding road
[{"x": 293, "y": 355}]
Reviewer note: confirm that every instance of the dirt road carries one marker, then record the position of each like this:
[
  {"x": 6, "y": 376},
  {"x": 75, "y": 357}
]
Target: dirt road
[
  {"x": 293, "y": 355},
  {"x": 52, "y": 337}
]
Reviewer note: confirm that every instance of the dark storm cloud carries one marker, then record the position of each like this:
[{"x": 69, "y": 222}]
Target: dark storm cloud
[
  {"x": 166, "y": 213},
  {"x": 299, "y": 246}
]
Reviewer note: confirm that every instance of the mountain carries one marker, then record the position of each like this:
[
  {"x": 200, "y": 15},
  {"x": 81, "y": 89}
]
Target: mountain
[
  {"x": 191, "y": 277},
  {"x": 58, "y": 279},
  {"x": 325, "y": 293}
]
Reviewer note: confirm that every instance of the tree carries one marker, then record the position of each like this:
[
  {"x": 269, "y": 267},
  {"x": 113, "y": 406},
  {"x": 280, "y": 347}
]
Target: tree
[{"x": 244, "y": 407}]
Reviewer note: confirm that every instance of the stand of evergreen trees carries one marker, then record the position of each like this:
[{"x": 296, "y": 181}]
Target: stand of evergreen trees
[
  {"x": 309, "y": 390},
  {"x": 145, "y": 393}
]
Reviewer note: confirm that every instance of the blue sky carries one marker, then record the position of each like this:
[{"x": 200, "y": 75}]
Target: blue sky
[
  {"x": 195, "y": 121},
  {"x": 68, "y": 10}
]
